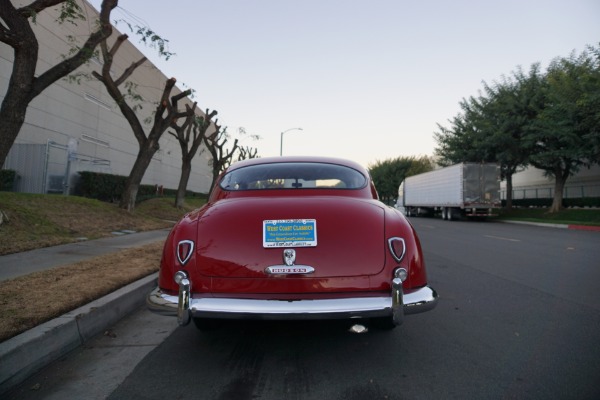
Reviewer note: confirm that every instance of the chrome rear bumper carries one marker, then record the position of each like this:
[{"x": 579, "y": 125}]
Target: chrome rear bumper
[{"x": 397, "y": 305}]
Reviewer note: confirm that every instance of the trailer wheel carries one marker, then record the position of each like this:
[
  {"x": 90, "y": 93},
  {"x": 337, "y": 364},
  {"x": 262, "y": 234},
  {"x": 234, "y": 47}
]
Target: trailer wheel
[
  {"x": 449, "y": 214},
  {"x": 444, "y": 213}
]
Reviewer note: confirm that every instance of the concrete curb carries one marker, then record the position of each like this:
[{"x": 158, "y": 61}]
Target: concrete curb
[
  {"x": 27, "y": 353},
  {"x": 562, "y": 226},
  {"x": 592, "y": 228}
]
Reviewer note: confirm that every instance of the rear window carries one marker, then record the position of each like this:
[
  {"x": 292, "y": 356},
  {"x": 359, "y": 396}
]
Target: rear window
[{"x": 293, "y": 176}]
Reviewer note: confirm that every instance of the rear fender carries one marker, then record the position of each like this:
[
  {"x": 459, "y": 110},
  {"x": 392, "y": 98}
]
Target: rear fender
[
  {"x": 182, "y": 234},
  {"x": 398, "y": 226}
]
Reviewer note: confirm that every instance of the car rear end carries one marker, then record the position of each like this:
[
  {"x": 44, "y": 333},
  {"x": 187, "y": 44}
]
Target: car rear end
[{"x": 293, "y": 254}]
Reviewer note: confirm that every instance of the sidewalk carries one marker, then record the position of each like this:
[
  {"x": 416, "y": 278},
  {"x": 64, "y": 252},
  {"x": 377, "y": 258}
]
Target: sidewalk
[
  {"x": 25, "y": 354},
  {"x": 18, "y": 264}
]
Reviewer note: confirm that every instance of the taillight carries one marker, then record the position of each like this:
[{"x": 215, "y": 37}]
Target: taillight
[
  {"x": 185, "y": 248},
  {"x": 397, "y": 248}
]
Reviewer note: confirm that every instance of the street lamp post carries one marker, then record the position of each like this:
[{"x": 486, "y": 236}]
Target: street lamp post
[{"x": 281, "y": 139}]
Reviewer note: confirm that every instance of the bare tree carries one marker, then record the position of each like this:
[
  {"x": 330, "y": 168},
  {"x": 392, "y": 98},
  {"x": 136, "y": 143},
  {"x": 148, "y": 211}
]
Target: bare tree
[
  {"x": 221, "y": 157},
  {"x": 190, "y": 136},
  {"x": 24, "y": 85},
  {"x": 247, "y": 153},
  {"x": 165, "y": 116}
]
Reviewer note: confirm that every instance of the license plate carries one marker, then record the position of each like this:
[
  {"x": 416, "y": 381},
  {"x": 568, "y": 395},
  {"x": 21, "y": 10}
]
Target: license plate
[{"x": 290, "y": 233}]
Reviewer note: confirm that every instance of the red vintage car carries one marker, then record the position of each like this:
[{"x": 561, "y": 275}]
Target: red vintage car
[{"x": 293, "y": 238}]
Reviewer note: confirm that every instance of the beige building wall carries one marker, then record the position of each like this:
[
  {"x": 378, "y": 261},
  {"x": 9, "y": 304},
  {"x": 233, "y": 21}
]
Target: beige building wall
[
  {"x": 84, "y": 114},
  {"x": 532, "y": 183}
]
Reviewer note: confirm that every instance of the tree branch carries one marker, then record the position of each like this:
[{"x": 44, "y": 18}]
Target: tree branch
[
  {"x": 164, "y": 103},
  {"x": 176, "y": 98},
  {"x": 37, "y": 6},
  {"x": 14, "y": 29},
  {"x": 5, "y": 37},
  {"x": 85, "y": 53},
  {"x": 120, "y": 39},
  {"x": 127, "y": 73},
  {"x": 97, "y": 76}
]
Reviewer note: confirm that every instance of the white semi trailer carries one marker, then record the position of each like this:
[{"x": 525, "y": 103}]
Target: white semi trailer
[{"x": 466, "y": 189}]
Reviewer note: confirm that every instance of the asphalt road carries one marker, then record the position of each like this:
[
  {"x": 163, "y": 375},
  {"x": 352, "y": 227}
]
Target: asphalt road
[{"x": 518, "y": 317}]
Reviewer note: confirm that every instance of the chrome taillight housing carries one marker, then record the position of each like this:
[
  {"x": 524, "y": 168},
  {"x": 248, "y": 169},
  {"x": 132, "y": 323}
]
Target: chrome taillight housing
[
  {"x": 185, "y": 249},
  {"x": 397, "y": 248}
]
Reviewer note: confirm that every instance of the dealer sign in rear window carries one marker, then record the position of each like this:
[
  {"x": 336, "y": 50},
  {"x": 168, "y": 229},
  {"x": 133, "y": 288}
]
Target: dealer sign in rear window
[{"x": 290, "y": 233}]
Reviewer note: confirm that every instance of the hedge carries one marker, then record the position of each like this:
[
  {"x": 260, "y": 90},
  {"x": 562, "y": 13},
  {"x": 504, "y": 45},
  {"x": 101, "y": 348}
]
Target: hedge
[
  {"x": 7, "y": 179},
  {"x": 109, "y": 187},
  {"x": 547, "y": 202}
]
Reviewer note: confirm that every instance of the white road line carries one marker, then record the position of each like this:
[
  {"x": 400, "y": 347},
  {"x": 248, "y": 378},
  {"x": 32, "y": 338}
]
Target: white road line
[
  {"x": 427, "y": 226},
  {"x": 501, "y": 238}
]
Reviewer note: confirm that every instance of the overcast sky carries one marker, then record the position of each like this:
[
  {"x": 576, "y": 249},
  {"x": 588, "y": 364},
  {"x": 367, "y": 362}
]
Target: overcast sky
[{"x": 364, "y": 80}]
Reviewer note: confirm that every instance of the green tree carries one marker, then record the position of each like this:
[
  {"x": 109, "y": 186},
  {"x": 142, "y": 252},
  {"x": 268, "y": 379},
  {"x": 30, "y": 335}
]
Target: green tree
[
  {"x": 551, "y": 121},
  {"x": 26, "y": 80},
  {"x": 492, "y": 127},
  {"x": 510, "y": 109},
  {"x": 464, "y": 140},
  {"x": 568, "y": 120},
  {"x": 592, "y": 114},
  {"x": 388, "y": 174}
]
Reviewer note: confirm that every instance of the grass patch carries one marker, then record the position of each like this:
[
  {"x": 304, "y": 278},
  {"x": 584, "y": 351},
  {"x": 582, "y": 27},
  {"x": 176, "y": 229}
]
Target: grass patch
[
  {"x": 24, "y": 301},
  {"x": 164, "y": 207},
  {"x": 37, "y": 220},
  {"x": 45, "y": 220},
  {"x": 589, "y": 217}
]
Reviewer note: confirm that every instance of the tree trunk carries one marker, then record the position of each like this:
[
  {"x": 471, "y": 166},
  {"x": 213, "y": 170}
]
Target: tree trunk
[
  {"x": 509, "y": 194},
  {"x": 17, "y": 96},
  {"x": 559, "y": 185},
  {"x": 186, "y": 169},
  {"x": 215, "y": 175},
  {"x": 132, "y": 184},
  {"x": 12, "y": 117}
]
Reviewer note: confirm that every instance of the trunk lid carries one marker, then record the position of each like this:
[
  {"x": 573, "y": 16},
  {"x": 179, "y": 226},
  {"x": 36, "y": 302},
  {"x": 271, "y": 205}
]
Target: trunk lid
[{"x": 349, "y": 237}]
